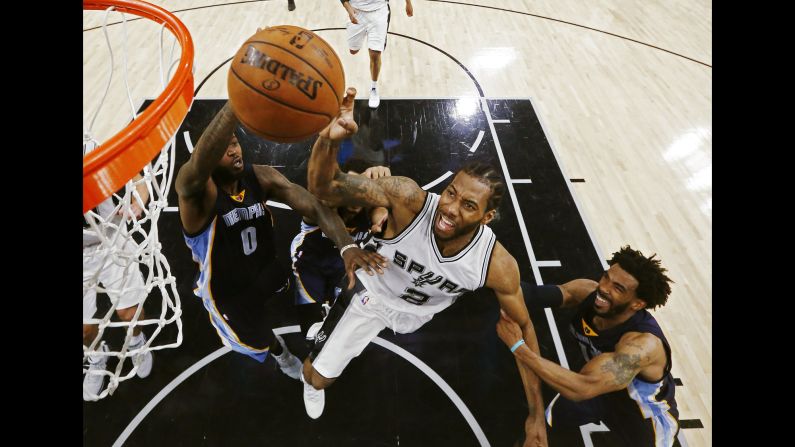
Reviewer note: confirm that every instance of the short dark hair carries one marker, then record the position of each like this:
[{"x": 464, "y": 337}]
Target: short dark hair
[
  {"x": 487, "y": 173},
  {"x": 653, "y": 283}
]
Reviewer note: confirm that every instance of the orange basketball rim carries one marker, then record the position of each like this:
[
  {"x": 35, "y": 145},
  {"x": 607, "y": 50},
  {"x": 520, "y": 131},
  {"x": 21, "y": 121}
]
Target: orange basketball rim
[{"x": 117, "y": 160}]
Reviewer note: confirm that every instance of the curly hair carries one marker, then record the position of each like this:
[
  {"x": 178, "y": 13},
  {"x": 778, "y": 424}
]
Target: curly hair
[{"x": 653, "y": 283}]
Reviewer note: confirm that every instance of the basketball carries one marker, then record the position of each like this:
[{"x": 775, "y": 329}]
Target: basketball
[{"x": 285, "y": 83}]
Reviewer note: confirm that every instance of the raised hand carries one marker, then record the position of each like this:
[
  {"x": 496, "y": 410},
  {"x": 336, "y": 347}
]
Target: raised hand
[{"x": 343, "y": 126}]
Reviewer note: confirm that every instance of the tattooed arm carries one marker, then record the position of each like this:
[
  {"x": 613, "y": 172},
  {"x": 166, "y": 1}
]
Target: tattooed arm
[
  {"x": 401, "y": 195},
  {"x": 196, "y": 191},
  {"x": 611, "y": 371},
  {"x": 305, "y": 204}
]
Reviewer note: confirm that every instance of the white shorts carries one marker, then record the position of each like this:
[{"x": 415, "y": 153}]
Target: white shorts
[
  {"x": 355, "y": 320},
  {"x": 113, "y": 278},
  {"x": 373, "y": 24}
]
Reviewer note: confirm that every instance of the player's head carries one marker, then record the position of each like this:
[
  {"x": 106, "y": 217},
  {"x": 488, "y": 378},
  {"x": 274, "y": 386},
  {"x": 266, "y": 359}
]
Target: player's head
[
  {"x": 355, "y": 166},
  {"x": 633, "y": 282},
  {"x": 231, "y": 165},
  {"x": 470, "y": 200}
]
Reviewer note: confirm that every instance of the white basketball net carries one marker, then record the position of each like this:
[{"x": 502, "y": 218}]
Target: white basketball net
[{"x": 131, "y": 243}]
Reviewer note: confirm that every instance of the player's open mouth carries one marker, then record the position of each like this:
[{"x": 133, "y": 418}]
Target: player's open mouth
[
  {"x": 237, "y": 162},
  {"x": 445, "y": 224},
  {"x": 601, "y": 302}
]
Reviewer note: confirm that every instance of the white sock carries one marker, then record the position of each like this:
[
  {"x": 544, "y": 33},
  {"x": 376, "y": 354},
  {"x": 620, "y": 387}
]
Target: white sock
[
  {"x": 374, "y": 85},
  {"x": 137, "y": 340}
]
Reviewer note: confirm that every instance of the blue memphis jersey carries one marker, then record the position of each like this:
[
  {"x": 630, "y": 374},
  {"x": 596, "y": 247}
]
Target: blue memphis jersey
[
  {"x": 652, "y": 401},
  {"x": 317, "y": 264},
  {"x": 236, "y": 256}
]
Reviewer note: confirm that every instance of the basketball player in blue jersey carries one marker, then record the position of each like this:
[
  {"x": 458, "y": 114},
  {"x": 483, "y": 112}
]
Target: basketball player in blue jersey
[
  {"x": 627, "y": 382},
  {"x": 317, "y": 266},
  {"x": 229, "y": 230},
  {"x": 439, "y": 247}
]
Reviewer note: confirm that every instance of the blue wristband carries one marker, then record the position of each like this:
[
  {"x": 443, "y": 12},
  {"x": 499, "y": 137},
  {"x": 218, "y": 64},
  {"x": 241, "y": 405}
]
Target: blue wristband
[{"x": 517, "y": 344}]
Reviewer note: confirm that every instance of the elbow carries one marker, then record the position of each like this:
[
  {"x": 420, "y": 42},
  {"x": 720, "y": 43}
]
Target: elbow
[
  {"x": 323, "y": 191},
  {"x": 584, "y": 389},
  {"x": 319, "y": 185},
  {"x": 577, "y": 395}
]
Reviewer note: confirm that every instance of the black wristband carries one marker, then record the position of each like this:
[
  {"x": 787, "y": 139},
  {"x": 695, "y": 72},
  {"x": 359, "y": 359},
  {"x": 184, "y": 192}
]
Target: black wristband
[{"x": 541, "y": 296}]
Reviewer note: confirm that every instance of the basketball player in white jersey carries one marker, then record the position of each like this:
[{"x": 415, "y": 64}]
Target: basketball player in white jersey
[
  {"x": 102, "y": 269},
  {"x": 439, "y": 247},
  {"x": 370, "y": 18}
]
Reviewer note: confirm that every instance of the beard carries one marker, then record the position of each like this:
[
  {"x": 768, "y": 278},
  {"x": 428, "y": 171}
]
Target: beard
[
  {"x": 458, "y": 231},
  {"x": 613, "y": 311}
]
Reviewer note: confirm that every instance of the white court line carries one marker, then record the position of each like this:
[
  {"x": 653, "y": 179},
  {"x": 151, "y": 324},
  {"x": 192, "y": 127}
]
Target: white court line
[
  {"x": 477, "y": 141},
  {"x": 549, "y": 263},
  {"x": 571, "y": 189},
  {"x": 523, "y": 230},
  {"x": 437, "y": 181},
  {"x": 522, "y": 180},
  {"x": 186, "y": 137},
  {"x": 500, "y": 121},
  {"x": 587, "y": 429},
  {"x": 437, "y": 379},
  {"x": 411, "y": 358},
  {"x": 165, "y": 391},
  {"x": 277, "y": 205}
]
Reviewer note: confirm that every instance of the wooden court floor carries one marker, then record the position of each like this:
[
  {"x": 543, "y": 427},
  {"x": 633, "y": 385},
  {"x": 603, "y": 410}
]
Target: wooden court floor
[{"x": 623, "y": 89}]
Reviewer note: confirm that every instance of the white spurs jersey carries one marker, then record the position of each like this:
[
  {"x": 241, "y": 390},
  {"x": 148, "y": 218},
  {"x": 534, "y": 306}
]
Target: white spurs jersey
[
  {"x": 368, "y": 5},
  {"x": 418, "y": 279}
]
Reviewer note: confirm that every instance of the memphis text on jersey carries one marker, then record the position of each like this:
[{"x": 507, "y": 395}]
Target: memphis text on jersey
[{"x": 242, "y": 214}]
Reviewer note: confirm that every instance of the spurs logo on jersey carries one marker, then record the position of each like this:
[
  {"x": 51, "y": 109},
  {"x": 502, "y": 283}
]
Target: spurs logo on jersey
[
  {"x": 421, "y": 280},
  {"x": 426, "y": 278}
]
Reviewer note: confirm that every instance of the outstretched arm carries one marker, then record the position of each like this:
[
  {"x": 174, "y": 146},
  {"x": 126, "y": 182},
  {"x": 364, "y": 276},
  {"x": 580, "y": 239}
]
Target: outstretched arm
[
  {"x": 336, "y": 188},
  {"x": 504, "y": 280},
  {"x": 195, "y": 190},
  {"x": 575, "y": 291},
  {"x": 304, "y": 203},
  {"x": 605, "y": 373}
]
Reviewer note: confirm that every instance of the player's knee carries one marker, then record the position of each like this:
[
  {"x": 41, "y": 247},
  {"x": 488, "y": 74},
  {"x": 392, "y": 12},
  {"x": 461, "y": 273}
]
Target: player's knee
[
  {"x": 89, "y": 333},
  {"x": 128, "y": 313},
  {"x": 354, "y": 51},
  {"x": 375, "y": 55}
]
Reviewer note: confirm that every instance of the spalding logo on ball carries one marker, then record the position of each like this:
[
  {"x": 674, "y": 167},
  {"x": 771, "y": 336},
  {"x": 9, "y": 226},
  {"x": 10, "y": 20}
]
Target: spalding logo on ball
[{"x": 285, "y": 83}]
